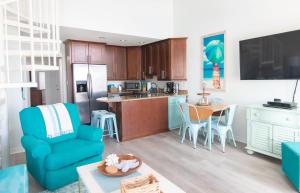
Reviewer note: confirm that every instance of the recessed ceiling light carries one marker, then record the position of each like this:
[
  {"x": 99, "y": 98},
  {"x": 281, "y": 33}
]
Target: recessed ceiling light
[
  {"x": 142, "y": 42},
  {"x": 122, "y": 40},
  {"x": 101, "y": 37}
]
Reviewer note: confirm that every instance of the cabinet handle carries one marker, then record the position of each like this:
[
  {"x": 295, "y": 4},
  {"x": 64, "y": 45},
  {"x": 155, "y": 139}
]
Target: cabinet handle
[
  {"x": 143, "y": 75},
  {"x": 162, "y": 74},
  {"x": 150, "y": 69}
]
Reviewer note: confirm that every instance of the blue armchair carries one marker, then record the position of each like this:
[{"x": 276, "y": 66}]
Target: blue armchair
[{"x": 53, "y": 161}]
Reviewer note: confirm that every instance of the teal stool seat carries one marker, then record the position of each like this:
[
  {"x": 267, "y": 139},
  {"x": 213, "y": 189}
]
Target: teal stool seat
[
  {"x": 291, "y": 162},
  {"x": 14, "y": 179}
]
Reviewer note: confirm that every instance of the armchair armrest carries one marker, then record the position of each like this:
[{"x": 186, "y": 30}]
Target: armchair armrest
[
  {"x": 89, "y": 133},
  {"x": 37, "y": 147}
]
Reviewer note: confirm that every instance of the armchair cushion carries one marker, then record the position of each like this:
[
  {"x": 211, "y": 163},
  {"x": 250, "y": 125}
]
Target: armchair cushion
[
  {"x": 38, "y": 148},
  {"x": 72, "y": 151},
  {"x": 89, "y": 133}
]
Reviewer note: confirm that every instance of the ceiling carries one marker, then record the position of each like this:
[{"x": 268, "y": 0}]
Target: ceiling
[{"x": 105, "y": 37}]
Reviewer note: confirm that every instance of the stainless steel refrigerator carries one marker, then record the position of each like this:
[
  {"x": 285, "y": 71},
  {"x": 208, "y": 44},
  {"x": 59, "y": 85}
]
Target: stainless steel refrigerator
[{"x": 90, "y": 83}]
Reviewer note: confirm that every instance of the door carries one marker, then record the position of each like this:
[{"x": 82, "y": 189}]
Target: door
[
  {"x": 134, "y": 63},
  {"x": 98, "y": 82},
  {"x": 81, "y": 89},
  {"x": 283, "y": 134},
  {"x": 120, "y": 63},
  {"x": 261, "y": 136},
  {"x": 79, "y": 52},
  {"x": 109, "y": 61},
  {"x": 52, "y": 90},
  {"x": 96, "y": 53}
]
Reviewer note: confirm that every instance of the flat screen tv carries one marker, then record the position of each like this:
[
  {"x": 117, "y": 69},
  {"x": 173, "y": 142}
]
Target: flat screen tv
[{"x": 271, "y": 57}]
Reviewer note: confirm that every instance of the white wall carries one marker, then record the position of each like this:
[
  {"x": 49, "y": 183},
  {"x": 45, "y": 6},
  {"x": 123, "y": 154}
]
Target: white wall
[
  {"x": 148, "y": 18},
  {"x": 241, "y": 20}
]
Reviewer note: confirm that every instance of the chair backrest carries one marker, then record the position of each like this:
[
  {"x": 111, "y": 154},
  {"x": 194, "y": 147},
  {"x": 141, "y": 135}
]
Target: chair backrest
[
  {"x": 231, "y": 112},
  {"x": 185, "y": 112},
  {"x": 33, "y": 124},
  {"x": 179, "y": 108},
  {"x": 199, "y": 114}
]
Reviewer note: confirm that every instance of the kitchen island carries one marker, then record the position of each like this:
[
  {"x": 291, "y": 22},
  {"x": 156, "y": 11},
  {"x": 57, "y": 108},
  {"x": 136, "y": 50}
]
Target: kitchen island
[{"x": 139, "y": 115}]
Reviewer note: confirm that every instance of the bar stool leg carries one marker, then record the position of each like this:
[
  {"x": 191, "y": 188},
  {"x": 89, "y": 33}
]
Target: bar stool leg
[
  {"x": 110, "y": 127},
  {"x": 116, "y": 128},
  {"x": 98, "y": 126}
]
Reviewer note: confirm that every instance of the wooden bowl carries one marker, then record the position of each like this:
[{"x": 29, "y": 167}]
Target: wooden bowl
[{"x": 101, "y": 167}]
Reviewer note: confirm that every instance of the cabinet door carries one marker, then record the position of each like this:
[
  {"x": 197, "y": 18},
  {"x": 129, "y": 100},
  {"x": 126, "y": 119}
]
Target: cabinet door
[
  {"x": 155, "y": 57},
  {"x": 79, "y": 52},
  {"x": 148, "y": 60},
  {"x": 178, "y": 59},
  {"x": 283, "y": 134},
  {"x": 109, "y": 61},
  {"x": 143, "y": 66},
  {"x": 163, "y": 71},
  {"x": 120, "y": 63},
  {"x": 261, "y": 136},
  {"x": 96, "y": 55},
  {"x": 134, "y": 63}
]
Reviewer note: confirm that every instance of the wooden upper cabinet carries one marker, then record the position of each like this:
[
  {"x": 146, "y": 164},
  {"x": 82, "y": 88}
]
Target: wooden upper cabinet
[
  {"x": 108, "y": 56},
  {"x": 96, "y": 53},
  {"x": 177, "y": 58},
  {"x": 163, "y": 71},
  {"x": 148, "y": 60},
  {"x": 120, "y": 63},
  {"x": 155, "y": 57},
  {"x": 79, "y": 52},
  {"x": 134, "y": 63},
  {"x": 143, "y": 67}
]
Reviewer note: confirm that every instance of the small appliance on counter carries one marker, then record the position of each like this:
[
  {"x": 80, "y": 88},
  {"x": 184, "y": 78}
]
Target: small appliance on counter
[
  {"x": 170, "y": 87},
  {"x": 134, "y": 86}
]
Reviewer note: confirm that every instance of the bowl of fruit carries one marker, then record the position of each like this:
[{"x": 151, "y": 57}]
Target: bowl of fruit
[{"x": 116, "y": 165}]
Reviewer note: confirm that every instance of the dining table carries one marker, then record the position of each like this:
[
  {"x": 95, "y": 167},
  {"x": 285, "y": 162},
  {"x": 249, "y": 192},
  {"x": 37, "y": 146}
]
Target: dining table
[{"x": 205, "y": 113}]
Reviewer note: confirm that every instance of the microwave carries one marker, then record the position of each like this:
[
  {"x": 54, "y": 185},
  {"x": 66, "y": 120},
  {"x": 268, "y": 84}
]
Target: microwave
[{"x": 132, "y": 85}]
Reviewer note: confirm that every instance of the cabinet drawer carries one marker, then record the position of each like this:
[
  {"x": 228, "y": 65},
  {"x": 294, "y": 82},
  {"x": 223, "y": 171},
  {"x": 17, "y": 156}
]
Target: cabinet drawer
[{"x": 273, "y": 117}]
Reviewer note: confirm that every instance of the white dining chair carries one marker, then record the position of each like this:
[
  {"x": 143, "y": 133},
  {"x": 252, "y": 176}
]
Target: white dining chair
[
  {"x": 183, "y": 122},
  {"x": 222, "y": 127},
  {"x": 194, "y": 126}
]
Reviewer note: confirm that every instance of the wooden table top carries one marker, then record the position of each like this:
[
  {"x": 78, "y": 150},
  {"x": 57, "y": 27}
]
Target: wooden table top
[{"x": 204, "y": 112}]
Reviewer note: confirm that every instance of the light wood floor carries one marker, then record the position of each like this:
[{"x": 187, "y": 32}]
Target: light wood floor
[{"x": 198, "y": 170}]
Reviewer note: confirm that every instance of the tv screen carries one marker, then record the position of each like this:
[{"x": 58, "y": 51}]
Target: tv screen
[{"x": 271, "y": 57}]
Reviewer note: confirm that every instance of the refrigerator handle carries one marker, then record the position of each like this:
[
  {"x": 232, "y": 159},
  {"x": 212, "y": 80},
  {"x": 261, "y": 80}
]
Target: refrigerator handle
[
  {"x": 88, "y": 85},
  {"x": 91, "y": 85}
]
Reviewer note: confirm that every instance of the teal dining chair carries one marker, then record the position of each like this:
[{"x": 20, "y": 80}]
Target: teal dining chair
[
  {"x": 223, "y": 127},
  {"x": 193, "y": 125}
]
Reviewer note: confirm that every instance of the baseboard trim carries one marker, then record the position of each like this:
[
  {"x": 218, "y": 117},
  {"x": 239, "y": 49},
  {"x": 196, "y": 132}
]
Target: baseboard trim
[{"x": 16, "y": 150}]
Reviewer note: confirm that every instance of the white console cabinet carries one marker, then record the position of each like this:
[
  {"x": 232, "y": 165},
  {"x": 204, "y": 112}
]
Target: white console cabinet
[{"x": 268, "y": 127}]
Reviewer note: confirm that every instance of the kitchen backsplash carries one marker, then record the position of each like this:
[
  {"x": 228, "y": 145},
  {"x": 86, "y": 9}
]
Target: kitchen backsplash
[{"x": 160, "y": 84}]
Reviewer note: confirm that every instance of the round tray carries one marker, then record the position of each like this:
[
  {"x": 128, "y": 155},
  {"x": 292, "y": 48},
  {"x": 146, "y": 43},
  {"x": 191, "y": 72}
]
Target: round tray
[{"x": 101, "y": 167}]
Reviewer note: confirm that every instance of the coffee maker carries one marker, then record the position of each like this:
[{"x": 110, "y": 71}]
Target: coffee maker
[{"x": 170, "y": 87}]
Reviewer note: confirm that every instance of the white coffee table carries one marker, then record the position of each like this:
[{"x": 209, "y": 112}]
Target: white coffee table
[{"x": 97, "y": 183}]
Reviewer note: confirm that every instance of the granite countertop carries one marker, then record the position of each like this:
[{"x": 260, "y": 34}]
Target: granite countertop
[{"x": 115, "y": 99}]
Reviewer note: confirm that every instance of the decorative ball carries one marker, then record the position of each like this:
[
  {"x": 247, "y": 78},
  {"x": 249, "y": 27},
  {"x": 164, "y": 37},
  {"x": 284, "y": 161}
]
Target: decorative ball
[{"x": 112, "y": 160}]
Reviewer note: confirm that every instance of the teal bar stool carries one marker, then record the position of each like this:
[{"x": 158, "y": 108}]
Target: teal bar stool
[{"x": 107, "y": 121}]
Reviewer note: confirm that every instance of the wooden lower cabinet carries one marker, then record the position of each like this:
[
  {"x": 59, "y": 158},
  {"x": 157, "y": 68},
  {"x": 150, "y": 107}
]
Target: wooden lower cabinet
[{"x": 140, "y": 118}]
